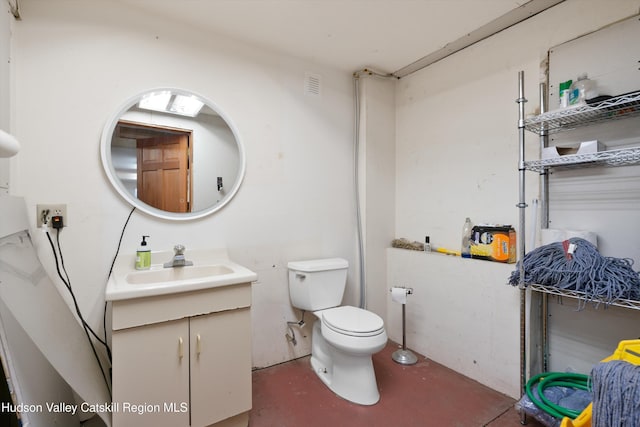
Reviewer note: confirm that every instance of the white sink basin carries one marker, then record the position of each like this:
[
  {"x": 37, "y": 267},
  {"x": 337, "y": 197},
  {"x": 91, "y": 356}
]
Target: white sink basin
[
  {"x": 177, "y": 273},
  {"x": 211, "y": 268}
]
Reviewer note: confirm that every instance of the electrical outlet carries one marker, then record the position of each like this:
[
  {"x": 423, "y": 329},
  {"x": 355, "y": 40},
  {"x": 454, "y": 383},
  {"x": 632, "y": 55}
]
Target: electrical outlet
[{"x": 45, "y": 212}]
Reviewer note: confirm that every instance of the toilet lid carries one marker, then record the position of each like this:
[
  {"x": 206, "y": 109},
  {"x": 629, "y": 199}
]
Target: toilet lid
[{"x": 353, "y": 321}]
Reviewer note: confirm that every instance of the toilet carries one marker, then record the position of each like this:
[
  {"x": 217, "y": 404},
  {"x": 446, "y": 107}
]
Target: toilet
[{"x": 343, "y": 338}]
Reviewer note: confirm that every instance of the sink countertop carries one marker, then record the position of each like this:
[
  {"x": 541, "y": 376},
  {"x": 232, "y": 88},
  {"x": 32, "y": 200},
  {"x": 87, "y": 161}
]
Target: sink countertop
[{"x": 119, "y": 288}]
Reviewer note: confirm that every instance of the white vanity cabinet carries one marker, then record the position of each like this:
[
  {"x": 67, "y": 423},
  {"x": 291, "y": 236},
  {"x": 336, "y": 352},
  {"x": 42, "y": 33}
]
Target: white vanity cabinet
[
  {"x": 220, "y": 354},
  {"x": 183, "y": 359},
  {"x": 148, "y": 370}
]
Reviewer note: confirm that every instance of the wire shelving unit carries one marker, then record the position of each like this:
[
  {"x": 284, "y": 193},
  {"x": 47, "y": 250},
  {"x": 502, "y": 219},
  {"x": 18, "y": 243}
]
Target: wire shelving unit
[{"x": 614, "y": 108}]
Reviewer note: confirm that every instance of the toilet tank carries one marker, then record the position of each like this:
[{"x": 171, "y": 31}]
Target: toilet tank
[{"x": 317, "y": 284}]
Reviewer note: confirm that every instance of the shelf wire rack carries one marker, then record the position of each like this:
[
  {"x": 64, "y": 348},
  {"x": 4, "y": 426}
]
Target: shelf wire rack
[
  {"x": 553, "y": 290},
  {"x": 617, "y": 107},
  {"x": 621, "y": 157}
]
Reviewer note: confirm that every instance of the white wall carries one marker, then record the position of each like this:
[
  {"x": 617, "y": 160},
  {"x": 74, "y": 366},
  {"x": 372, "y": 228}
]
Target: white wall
[
  {"x": 30, "y": 376},
  {"x": 457, "y": 151},
  {"x": 377, "y": 183},
  {"x": 460, "y": 315},
  {"x": 5, "y": 35},
  {"x": 296, "y": 201}
]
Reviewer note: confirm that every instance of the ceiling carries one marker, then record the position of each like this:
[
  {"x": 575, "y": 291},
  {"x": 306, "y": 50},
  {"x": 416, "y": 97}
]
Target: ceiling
[{"x": 384, "y": 35}]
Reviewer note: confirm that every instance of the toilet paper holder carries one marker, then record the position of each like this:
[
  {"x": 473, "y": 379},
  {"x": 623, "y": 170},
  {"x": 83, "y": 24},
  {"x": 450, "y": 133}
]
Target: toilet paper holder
[
  {"x": 403, "y": 355},
  {"x": 409, "y": 290}
]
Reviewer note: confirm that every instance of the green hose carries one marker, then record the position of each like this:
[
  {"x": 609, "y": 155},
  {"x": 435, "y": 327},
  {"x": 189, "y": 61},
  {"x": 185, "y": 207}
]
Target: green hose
[{"x": 560, "y": 379}]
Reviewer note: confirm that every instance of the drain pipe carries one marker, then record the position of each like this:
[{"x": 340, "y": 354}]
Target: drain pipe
[
  {"x": 356, "y": 168},
  {"x": 291, "y": 336}
]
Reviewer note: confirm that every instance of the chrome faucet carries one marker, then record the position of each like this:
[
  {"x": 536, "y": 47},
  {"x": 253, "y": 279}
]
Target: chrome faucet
[{"x": 178, "y": 259}]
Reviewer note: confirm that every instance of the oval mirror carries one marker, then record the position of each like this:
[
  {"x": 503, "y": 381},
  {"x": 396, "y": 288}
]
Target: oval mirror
[{"x": 173, "y": 154}]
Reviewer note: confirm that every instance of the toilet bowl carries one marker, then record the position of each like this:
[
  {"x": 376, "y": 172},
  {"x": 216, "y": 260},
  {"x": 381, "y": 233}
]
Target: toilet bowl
[
  {"x": 343, "y": 342},
  {"x": 353, "y": 330},
  {"x": 344, "y": 338}
]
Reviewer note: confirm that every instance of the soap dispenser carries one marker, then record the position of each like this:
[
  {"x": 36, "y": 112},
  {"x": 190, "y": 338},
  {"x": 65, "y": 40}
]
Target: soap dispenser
[{"x": 143, "y": 255}]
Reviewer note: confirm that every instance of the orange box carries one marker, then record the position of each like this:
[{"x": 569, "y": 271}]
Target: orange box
[{"x": 494, "y": 243}]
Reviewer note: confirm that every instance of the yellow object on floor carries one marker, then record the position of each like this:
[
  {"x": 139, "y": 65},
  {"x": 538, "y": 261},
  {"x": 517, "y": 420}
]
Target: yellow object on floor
[{"x": 628, "y": 351}]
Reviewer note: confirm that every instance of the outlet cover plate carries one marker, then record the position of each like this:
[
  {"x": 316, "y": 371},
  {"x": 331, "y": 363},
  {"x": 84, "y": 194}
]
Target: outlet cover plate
[{"x": 44, "y": 212}]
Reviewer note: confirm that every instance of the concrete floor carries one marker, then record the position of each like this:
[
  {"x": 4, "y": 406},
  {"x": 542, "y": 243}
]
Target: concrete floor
[{"x": 426, "y": 394}]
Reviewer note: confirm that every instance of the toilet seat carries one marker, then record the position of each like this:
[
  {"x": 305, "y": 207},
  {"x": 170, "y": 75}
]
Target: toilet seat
[{"x": 353, "y": 321}]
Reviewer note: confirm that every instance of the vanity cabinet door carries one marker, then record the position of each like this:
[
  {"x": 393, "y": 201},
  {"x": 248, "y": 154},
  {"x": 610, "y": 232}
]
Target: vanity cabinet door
[
  {"x": 151, "y": 370},
  {"x": 220, "y": 366}
]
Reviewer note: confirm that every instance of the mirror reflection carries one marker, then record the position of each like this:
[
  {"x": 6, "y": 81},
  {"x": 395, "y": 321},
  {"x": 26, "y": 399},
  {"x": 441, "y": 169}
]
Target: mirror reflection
[{"x": 172, "y": 154}]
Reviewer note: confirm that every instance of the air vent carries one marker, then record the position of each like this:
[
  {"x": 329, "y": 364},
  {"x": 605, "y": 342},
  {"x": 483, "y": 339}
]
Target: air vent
[{"x": 312, "y": 84}]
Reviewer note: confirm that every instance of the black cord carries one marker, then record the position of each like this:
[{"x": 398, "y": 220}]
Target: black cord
[
  {"x": 113, "y": 262},
  {"x": 84, "y": 323},
  {"x": 67, "y": 282},
  {"x": 68, "y": 285},
  {"x": 124, "y": 227}
]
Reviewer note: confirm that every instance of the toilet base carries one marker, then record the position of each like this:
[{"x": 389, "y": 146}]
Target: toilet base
[{"x": 349, "y": 376}]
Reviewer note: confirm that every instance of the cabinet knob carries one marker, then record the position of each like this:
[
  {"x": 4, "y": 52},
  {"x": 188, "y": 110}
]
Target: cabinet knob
[
  {"x": 198, "y": 345},
  {"x": 180, "y": 348}
]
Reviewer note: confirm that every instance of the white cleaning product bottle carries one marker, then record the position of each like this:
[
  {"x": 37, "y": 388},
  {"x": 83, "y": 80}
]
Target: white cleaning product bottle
[
  {"x": 143, "y": 255},
  {"x": 564, "y": 92},
  {"x": 465, "y": 249},
  {"x": 582, "y": 89}
]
